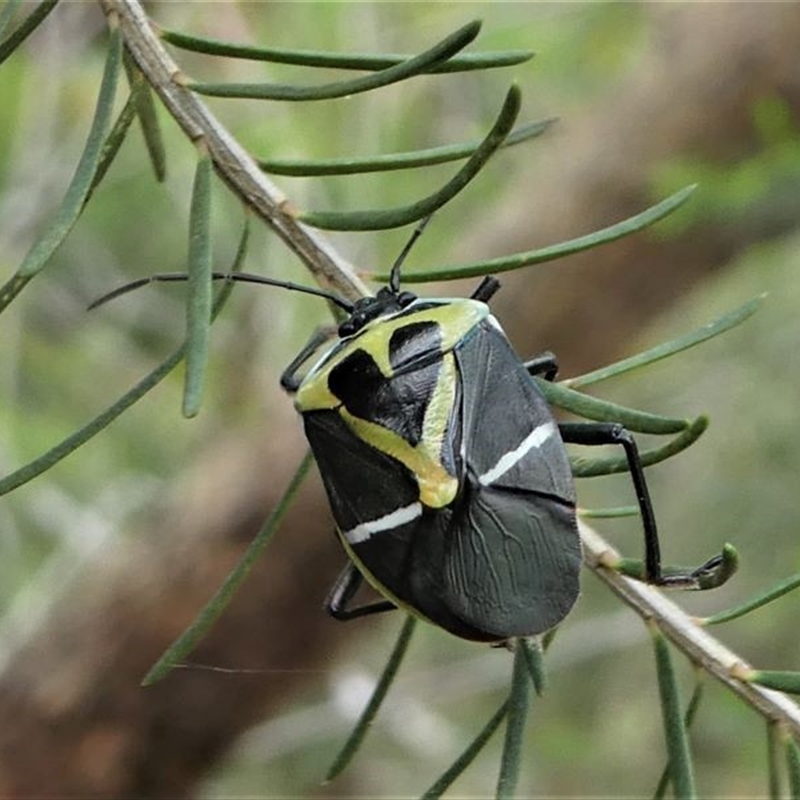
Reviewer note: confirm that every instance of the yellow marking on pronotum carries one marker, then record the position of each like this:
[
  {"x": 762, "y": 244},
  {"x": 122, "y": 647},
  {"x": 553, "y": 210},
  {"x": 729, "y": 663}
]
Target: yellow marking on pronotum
[
  {"x": 455, "y": 318},
  {"x": 437, "y": 487}
]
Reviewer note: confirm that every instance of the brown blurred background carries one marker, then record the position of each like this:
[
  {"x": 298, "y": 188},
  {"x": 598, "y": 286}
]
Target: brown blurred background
[{"x": 107, "y": 557}]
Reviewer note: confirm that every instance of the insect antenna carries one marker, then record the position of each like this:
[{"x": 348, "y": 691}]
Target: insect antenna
[
  {"x": 394, "y": 277},
  {"x": 243, "y": 277}
]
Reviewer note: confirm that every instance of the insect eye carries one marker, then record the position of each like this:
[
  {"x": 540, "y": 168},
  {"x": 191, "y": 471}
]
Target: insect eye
[
  {"x": 348, "y": 327},
  {"x": 405, "y": 299}
]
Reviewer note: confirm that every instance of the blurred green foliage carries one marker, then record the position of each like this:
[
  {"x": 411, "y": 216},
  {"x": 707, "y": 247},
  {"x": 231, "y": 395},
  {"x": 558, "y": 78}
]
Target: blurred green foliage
[
  {"x": 596, "y": 728},
  {"x": 753, "y": 187}
]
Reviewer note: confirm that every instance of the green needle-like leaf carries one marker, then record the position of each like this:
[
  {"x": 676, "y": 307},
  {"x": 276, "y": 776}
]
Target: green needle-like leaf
[
  {"x": 81, "y": 436},
  {"x": 593, "y": 467},
  {"x": 112, "y": 145},
  {"x": 7, "y": 13},
  {"x": 608, "y": 513},
  {"x": 774, "y": 760},
  {"x": 358, "y": 733},
  {"x": 688, "y": 719},
  {"x": 73, "y": 202},
  {"x": 200, "y": 293},
  {"x": 585, "y": 405},
  {"x": 393, "y": 161},
  {"x": 395, "y": 217},
  {"x": 529, "y": 257},
  {"x": 441, "y": 51},
  {"x": 148, "y": 119},
  {"x": 25, "y": 28},
  {"x": 723, "y": 572},
  {"x": 710, "y": 579},
  {"x": 211, "y": 611},
  {"x": 780, "y": 680},
  {"x": 474, "y": 748},
  {"x": 792, "y": 765},
  {"x": 712, "y": 329},
  {"x": 680, "y": 761},
  {"x": 328, "y": 60},
  {"x": 784, "y": 587},
  {"x": 532, "y": 650},
  {"x": 518, "y": 703}
]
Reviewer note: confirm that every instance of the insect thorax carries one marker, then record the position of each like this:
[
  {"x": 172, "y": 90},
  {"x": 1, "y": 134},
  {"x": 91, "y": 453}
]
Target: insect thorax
[{"x": 395, "y": 384}]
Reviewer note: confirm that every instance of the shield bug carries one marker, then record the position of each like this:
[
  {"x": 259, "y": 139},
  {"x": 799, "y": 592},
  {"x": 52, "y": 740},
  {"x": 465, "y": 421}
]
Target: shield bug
[{"x": 446, "y": 472}]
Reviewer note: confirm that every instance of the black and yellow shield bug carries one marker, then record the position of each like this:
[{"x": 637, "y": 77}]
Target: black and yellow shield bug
[
  {"x": 444, "y": 468},
  {"x": 447, "y": 475}
]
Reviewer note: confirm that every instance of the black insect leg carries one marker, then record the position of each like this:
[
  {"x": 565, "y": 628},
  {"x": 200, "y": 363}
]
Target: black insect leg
[
  {"x": 290, "y": 380},
  {"x": 598, "y": 433},
  {"x": 545, "y": 364},
  {"x": 486, "y": 289},
  {"x": 344, "y": 590}
]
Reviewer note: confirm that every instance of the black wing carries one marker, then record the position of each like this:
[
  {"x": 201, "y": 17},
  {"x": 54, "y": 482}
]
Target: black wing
[
  {"x": 362, "y": 483},
  {"x": 501, "y": 406},
  {"x": 513, "y": 551},
  {"x": 512, "y": 562}
]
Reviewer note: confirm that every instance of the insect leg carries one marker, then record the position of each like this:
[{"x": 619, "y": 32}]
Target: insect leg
[
  {"x": 486, "y": 289},
  {"x": 290, "y": 380},
  {"x": 544, "y": 364},
  {"x": 344, "y": 590},
  {"x": 599, "y": 433}
]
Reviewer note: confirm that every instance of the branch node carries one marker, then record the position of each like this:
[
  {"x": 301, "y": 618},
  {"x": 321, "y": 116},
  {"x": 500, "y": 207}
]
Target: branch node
[
  {"x": 179, "y": 78},
  {"x": 287, "y": 207},
  {"x": 741, "y": 672},
  {"x": 608, "y": 559}
]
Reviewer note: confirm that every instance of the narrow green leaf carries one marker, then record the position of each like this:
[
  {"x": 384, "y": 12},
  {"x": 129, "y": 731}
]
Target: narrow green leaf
[
  {"x": 688, "y": 719},
  {"x": 532, "y": 650},
  {"x": 441, "y": 51},
  {"x": 723, "y": 572},
  {"x": 7, "y": 13},
  {"x": 25, "y": 28},
  {"x": 585, "y": 405},
  {"x": 472, "y": 751},
  {"x": 199, "y": 293},
  {"x": 388, "y": 675},
  {"x": 82, "y": 435},
  {"x": 395, "y": 217},
  {"x": 355, "y": 61},
  {"x": 774, "y": 760},
  {"x": 81, "y": 183},
  {"x": 111, "y": 145},
  {"x": 592, "y": 467},
  {"x": 548, "y": 638},
  {"x": 608, "y": 513},
  {"x": 139, "y": 89},
  {"x": 148, "y": 119},
  {"x": 712, "y": 329},
  {"x": 529, "y": 257},
  {"x": 784, "y": 587},
  {"x": 393, "y": 161},
  {"x": 709, "y": 579},
  {"x": 211, "y": 611},
  {"x": 792, "y": 765},
  {"x": 518, "y": 703},
  {"x": 780, "y": 680},
  {"x": 680, "y": 761}
]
